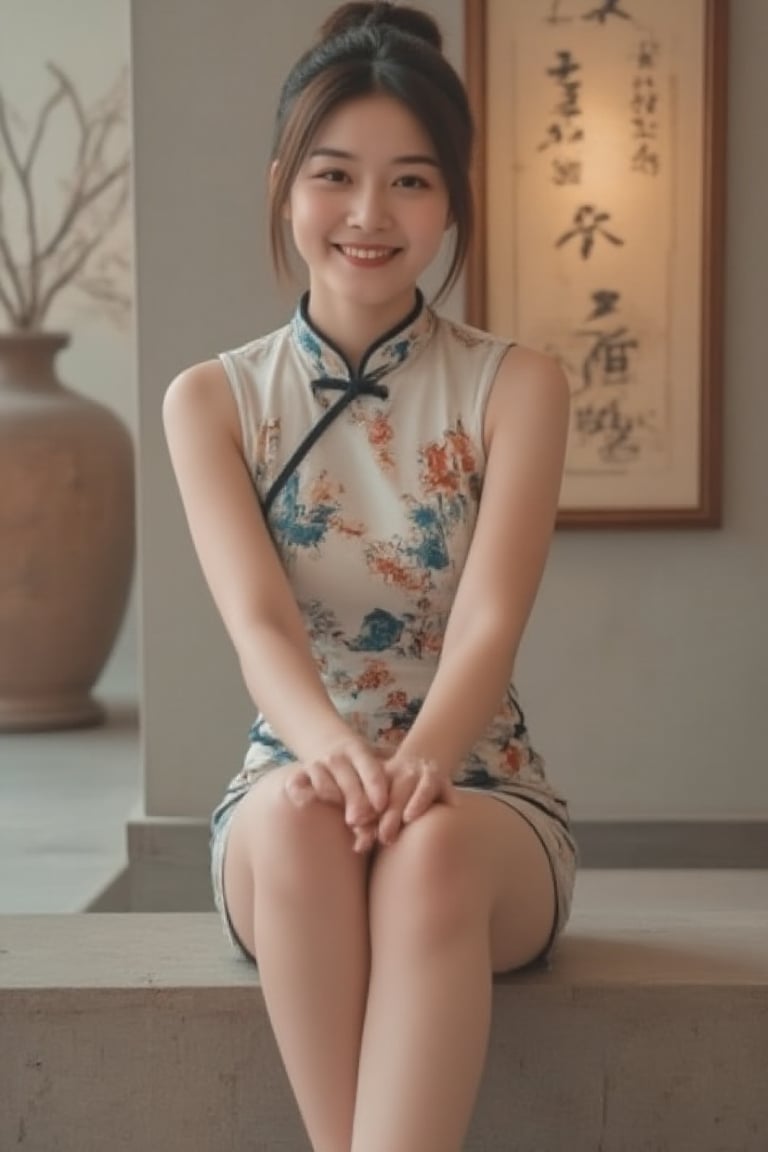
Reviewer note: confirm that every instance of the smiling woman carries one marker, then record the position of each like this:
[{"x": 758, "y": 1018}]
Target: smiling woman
[
  {"x": 380, "y": 202},
  {"x": 423, "y": 84},
  {"x": 371, "y": 490}
]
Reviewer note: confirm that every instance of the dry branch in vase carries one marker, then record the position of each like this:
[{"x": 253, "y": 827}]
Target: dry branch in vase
[{"x": 76, "y": 249}]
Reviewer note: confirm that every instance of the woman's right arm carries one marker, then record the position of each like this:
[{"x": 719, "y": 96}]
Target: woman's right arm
[{"x": 244, "y": 573}]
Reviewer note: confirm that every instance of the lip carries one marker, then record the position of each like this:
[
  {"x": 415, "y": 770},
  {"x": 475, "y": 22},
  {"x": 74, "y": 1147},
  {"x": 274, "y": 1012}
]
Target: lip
[{"x": 367, "y": 255}]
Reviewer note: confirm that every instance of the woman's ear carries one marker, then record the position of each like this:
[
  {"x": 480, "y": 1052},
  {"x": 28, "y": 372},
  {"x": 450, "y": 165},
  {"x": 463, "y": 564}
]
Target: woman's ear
[{"x": 286, "y": 208}]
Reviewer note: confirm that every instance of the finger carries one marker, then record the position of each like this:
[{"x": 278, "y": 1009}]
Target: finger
[
  {"x": 401, "y": 791},
  {"x": 364, "y": 837},
  {"x": 430, "y": 787},
  {"x": 357, "y": 807},
  {"x": 323, "y": 783},
  {"x": 372, "y": 773},
  {"x": 298, "y": 788}
]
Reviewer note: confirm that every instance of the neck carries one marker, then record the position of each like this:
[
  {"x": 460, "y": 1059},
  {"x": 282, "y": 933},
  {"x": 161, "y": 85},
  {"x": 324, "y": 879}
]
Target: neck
[{"x": 354, "y": 327}]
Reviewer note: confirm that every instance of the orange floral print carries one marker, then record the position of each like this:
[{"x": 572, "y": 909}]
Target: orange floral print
[
  {"x": 322, "y": 491},
  {"x": 380, "y": 436},
  {"x": 382, "y": 562},
  {"x": 354, "y": 528},
  {"x": 462, "y": 448},
  {"x": 439, "y": 473},
  {"x": 445, "y": 462},
  {"x": 375, "y": 674}
]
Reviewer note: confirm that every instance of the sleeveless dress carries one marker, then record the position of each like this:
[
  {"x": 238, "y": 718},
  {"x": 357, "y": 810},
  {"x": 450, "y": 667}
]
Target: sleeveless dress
[{"x": 370, "y": 485}]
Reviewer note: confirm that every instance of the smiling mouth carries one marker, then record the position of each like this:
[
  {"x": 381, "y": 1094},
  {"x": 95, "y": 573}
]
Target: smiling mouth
[{"x": 366, "y": 255}]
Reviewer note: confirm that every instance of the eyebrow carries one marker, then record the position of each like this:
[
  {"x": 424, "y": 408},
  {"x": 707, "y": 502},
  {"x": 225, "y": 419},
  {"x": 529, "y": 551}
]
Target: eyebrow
[{"x": 340, "y": 154}]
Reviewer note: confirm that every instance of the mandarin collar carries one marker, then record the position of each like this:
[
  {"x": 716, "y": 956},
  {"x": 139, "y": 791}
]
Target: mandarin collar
[{"x": 384, "y": 355}]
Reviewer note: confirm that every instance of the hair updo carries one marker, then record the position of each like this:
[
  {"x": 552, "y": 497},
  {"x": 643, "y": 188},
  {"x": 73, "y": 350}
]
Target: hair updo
[
  {"x": 412, "y": 21},
  {"x": 376, "y": 48}
]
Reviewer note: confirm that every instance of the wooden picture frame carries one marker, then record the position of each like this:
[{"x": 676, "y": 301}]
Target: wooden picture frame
[{"x": 599, "y": 178}]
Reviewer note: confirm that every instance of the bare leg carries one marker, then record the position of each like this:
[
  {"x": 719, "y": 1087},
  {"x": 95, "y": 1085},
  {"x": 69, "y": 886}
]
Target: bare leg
[
  {"x": 464, "y": 891},
  {"x": 296, "y": 894}
]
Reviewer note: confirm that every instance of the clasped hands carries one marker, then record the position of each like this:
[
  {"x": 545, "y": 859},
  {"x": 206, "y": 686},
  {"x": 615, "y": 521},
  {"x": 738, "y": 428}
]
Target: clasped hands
[{"x": 378, "y": 794}]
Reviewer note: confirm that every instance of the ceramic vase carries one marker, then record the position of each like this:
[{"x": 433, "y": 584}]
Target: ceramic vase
[{"x": 66, "y": 538}]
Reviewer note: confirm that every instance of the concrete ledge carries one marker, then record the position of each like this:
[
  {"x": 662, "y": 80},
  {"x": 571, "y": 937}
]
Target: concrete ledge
[
  {"x": 169, "y": 857},
  {"x": 142, "y": 1032},
  {"x": 672, "y": 843}
]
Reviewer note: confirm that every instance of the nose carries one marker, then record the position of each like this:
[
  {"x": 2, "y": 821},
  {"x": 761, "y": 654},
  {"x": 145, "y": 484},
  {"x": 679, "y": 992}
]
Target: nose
[{"x": 368, "y": 208}]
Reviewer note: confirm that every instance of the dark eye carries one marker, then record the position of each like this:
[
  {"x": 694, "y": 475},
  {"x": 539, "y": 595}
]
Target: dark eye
[
  {"x": 331, "y": 175},
  {"x": 411, "y": 180}
]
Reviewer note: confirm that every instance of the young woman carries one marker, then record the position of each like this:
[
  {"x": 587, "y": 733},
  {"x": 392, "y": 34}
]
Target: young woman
[{"x": 371, "y": 491}]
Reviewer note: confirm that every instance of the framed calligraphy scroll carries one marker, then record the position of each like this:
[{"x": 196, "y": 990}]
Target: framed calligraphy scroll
[{"x": 599, "y": 180}]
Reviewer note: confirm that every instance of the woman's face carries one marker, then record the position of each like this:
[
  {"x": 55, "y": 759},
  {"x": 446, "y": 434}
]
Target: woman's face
[{"x": 369, "y": 207}]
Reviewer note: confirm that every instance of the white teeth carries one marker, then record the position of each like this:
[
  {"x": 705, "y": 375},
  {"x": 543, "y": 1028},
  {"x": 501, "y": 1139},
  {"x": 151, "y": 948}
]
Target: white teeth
[{"x": 365, "y": 253}]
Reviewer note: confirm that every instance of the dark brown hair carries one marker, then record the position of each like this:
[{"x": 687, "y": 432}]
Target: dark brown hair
[{"x": 376, "y": 48}]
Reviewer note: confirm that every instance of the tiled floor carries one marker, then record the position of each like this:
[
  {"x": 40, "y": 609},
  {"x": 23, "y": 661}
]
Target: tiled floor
[{"x": 64, "y": 801}]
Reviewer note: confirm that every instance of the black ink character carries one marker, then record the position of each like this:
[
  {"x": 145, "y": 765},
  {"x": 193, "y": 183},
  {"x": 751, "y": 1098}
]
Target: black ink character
[
  {"x": 645, "y": 99},
  {"x": 609, "y": 8},
  {"x": 556, "y": 135},
  {"x": 562, "y": 130},
  {"x": 644, "y": 104},
  {"x": 566, "y": 172},
  {"x": 588, "y": 222},
  {"x": 563, "y": 73},
  {"x": 607, "y": 361},
  {"x": 569, "y": 105},
  {"x": 617, "y": 432},
  {"x": 645, "y": 160},
  {"x": 565, "y": 68},
  {"x": 605, "y": 301}
]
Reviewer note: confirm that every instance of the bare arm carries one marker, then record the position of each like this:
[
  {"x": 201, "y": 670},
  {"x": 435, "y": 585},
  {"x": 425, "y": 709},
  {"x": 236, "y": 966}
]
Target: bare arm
[
  {"x": 240, "y": 563},
  {"x": 526, "y": 430}
]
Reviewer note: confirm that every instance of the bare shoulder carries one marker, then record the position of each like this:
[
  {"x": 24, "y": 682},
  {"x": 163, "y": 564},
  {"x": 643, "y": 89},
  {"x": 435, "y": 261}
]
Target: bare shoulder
[
  {"x": 529, "y": 386},
  {"x": 200, "y": 396},
  {"x": 526, "y": 369}
]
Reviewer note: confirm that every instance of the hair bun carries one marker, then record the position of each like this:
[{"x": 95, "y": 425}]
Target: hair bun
[{"x": 382, "y": 13}]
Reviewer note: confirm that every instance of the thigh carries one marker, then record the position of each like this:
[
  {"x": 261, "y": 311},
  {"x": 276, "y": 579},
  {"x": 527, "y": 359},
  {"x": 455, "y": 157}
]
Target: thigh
[
  {"x": 276, "y": 848},
  {"x": 249, "y": 845},
  {"x": 234, "y": 862},
  {"x": 515, "y": 866}
]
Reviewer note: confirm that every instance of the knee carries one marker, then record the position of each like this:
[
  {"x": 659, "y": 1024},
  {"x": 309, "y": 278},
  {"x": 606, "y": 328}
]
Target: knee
[
  {"x": 426, "y": 886},
  {"x": 284, "y": 843}
]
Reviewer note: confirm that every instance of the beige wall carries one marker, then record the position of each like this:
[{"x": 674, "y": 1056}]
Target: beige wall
[{"x": 645, "y": 667}]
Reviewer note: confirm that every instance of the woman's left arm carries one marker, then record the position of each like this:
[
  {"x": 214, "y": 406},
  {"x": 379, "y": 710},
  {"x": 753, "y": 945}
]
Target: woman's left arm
[{"x": 526, "y": 427}]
